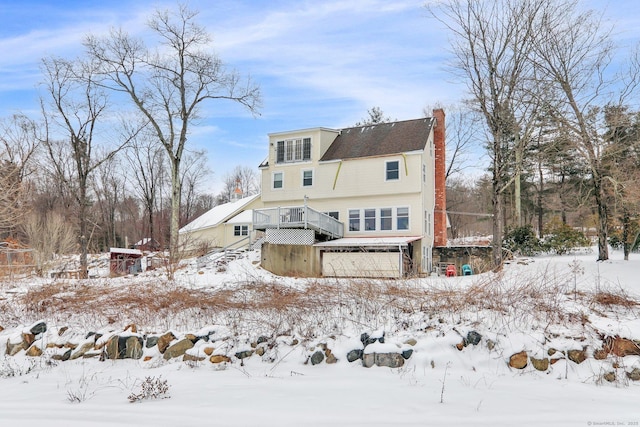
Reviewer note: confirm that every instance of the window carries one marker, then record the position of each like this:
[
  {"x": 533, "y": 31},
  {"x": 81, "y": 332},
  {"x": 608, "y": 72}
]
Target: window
[
  {"x": 278, "y": 180},
  {"x": 240, "y": 230},
  {"x": 386, "y": 221},
  {"x": 333, "y": 214},
  {"x": 424, "y": 173},
  {"x": 354, "y": 220},
  {"x": 307, "y": 178},
  {"x": 369, "y": 219},
  {"x": 393, "y": 170},
  {"x": 402, "y": 218},
  {"x": 293, "y": 150}
]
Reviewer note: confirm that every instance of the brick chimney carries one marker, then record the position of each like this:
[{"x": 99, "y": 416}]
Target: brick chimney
[{"x": 440, "y": 210}]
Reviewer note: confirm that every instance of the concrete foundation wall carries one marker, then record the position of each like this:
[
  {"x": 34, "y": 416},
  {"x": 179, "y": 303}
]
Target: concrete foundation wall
[{"x": 291, "y": 260}]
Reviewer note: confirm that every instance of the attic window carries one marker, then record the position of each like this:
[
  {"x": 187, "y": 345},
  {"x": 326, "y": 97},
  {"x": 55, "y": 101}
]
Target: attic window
[{"x": 293, "y": 150}]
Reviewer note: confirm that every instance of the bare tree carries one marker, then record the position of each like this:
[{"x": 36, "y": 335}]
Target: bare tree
[
  {"x": 192, "y": 178},
  {"x": 74, "y": 109},
  {"x": 18, "y": 143},
  {"x": 491, "y": 43},
  {"x": 50, "y": 236},
  {"x": 573, "y": 52},
  {"x": 243, "y": 179},
  {"x": 167, "y": 85}
]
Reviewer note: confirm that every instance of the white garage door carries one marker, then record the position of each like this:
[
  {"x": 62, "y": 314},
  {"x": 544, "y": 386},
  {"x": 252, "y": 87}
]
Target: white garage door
[{"x": 361, "y": 264}]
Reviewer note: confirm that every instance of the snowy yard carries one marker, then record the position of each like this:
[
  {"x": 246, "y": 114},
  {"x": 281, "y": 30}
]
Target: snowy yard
[{"x": 544, "y": 305}]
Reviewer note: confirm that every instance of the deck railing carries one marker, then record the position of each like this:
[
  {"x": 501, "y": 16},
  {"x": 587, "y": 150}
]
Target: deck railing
[{"x": 297, "y": 217}]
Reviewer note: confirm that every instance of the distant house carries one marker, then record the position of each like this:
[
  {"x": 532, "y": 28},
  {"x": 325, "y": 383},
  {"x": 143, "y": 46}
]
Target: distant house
[
  {"x": 224, "y": 226},
  {"x": 361, "y": 201},
  {"x": 147, "y": 244}
]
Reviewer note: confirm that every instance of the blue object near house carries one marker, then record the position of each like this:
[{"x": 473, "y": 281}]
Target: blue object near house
[{"x": 467, "y": 270}]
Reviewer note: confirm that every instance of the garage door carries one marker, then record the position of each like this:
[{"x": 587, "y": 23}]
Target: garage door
[{"x": 361, "y": 264}]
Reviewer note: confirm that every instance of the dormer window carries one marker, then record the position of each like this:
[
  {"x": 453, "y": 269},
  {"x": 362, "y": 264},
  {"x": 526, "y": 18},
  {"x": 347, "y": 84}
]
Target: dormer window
[{"x": 293, "y": 150}]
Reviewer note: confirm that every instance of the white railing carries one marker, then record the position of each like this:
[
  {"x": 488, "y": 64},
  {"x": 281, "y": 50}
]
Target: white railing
[{"x": 297, "y": 217}]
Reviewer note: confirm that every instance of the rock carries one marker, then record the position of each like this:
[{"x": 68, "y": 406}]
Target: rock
[
  {"x": 244, "y": 354},
  {"x": 191, "y": 358},
  {"x": 34, "y": 351},
  {"x": 208, "y": 351},
  {"x": 13, "y": 349},
  {"x": 391, "y": 360},
  {"x": 553, "y": 361},
  {"x": 368, "y": 360},
  {"x": 519, "y": 360},
  {"x": 133, "y": 348},
  {"x": 411, "y": 341},
  {"x": 366, "y": 339},
  {"x": 79, "y": 352},
  {"x": 38, "y": 328},
  {"x": 191, "y": 337},
  {"x": 551, "y": 351},
  {"x": 1, "y": 329},
  {"x": 112, "y": 348},
  {"x": 407, "y": 353},
  {"x": 331, "y": 359},
  {"x": 609, "y": 376},
  {"x": 460, "y": 345},
  {"x": 147, "y": 358},
  {"x": 262, "y": 339},
  {"x": 164, "y": 341},
  {"x": 354, "y": 355},
  {"x": 28, "y": 339},
  {"x": 219, "y": 358},
  {"x": 577, "y": 356},
  {"x": 473, "y": 338},
  {"x": 540, "y": 364},
  {"x": 317, "y": 357},
  {"x": 622, "y": 346},
  {"x": 151, "y": 341},
  {"x": 294, "y": 342},
  {"x": 491, "y": 344},
  {"x": 260, "y": 351},
  {"x": 178, "y": 349},
  {"x": 62, "y": 357},
  {"x": 60, "y": 331},
  {"x": 131, "y": 327},
  {"x": 600, "y": 354},
  {"x": 634, "y": 375}
]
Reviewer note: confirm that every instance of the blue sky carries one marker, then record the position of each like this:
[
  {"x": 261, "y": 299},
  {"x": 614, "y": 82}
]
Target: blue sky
[{"x": 319, "y": 63}]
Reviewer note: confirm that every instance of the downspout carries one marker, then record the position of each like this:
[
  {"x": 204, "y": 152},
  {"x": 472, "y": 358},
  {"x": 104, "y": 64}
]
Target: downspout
[
  {"x": 406, "y": 167},
  {"x": 335, "y": 180}
]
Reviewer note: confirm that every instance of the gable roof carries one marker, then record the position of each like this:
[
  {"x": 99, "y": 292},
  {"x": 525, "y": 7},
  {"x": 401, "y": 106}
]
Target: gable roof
[
  {"x": 381, "y": 139},
  {"x": 218, "y": 214}
]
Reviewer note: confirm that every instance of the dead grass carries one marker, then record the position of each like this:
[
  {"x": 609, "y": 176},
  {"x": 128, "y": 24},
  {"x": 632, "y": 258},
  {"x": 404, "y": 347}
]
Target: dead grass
[{"x": 312, "y": 309}]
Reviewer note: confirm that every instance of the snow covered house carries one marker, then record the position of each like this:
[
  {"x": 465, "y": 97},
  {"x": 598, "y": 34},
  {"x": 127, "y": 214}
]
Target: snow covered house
[
  {"x": 361, "y": 201},
  {"x": 224, "y": 226}
]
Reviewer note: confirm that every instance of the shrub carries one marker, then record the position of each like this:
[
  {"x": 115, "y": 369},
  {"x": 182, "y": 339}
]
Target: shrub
[
  {"x": 562, "y": 238},
  {"x": 523, "y": 241},
  {"x": 151, "y": 389}
]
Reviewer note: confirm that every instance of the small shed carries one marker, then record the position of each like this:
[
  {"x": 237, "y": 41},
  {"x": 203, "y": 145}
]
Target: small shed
[{"x": 125, "y": 261}]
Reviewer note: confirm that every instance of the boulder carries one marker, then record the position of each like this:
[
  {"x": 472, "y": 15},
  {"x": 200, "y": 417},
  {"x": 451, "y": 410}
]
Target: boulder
[
  {"x": 133, "y": 348},
  {"x": 577, "y": 356},
  {"x": 38, "y": 328},
  {"x": 354, "y": 355},
  {"x": 622, "y": 346},
  {"x": 244, "y": 354},
  {"x": 540, "y": 364},
  {"x": 34, "y": 351},
  {"x": 390, "y": 360},
  {"x": 317, "y": 357},
  {"x": 164, "y": 341},
  {"x": 191, "y": 358},
  {"x": 151, "y": 341},
  {"x": 208, "y": 351},
  {"x": 13, "y": 349},
  {"x": 609, "y": 376},
  {"x": 634, "y": 375},
  {"x": 112, "y": 348},
  {"x": 473, "y": 338},
  {"x": 519, "y": 360},
  {"x": 219, "y": 358},
  {"x": 411, "y": 341},
  {"x": 331, "y": 359},
  {"x": 28, "y": 339},
  {"x": 368, "y": 360},
  {"x": 407, "y": 353},
  {"x": 80, "y": 351},
  {"x": 178, "y": 349},
  {"x": 600, "y": 354}
]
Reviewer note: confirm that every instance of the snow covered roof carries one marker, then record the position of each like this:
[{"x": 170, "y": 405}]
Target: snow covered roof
[
  {"x": 125, "y": 251},
  {"x": 244, "y": 217},
  {"x": 218, "y": 214},
  {"x": 369, "y": 241}
]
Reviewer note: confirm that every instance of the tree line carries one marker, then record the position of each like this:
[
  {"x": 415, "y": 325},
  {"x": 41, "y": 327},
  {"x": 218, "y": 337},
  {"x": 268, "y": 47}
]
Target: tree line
[{"x": 108, "y": 159}]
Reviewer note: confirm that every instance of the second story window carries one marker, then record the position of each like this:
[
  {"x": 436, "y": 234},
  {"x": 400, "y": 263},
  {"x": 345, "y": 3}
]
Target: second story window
[
  {"x": 392, "y": 171},
  {"x": 293, "y": 150},
  {"x": 278, "y": 180},
  {"x": 307, "y": 178}
]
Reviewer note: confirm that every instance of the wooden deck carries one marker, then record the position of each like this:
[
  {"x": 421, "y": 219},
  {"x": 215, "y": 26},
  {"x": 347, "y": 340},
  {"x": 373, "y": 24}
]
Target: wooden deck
[{"x": 298, "y": 217}]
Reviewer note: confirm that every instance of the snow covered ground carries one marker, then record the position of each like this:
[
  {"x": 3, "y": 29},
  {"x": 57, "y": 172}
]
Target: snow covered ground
[{"x": 438, "y": 385}]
